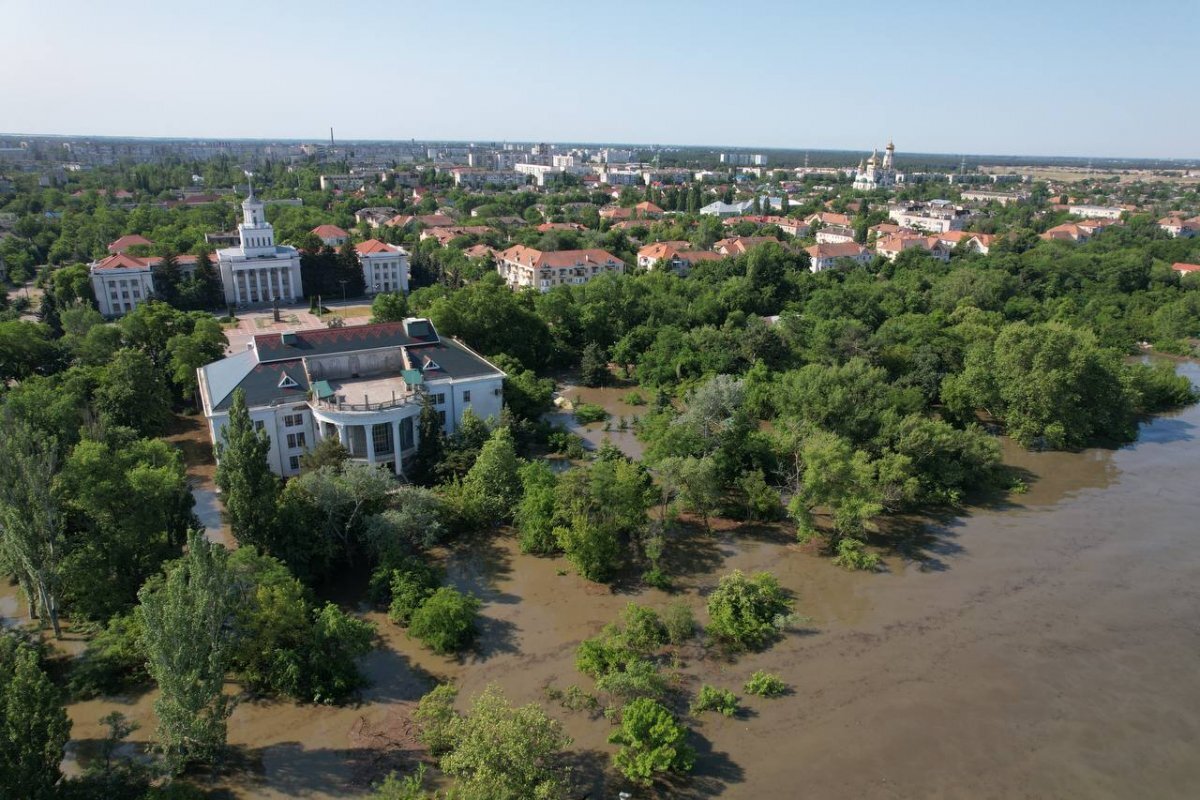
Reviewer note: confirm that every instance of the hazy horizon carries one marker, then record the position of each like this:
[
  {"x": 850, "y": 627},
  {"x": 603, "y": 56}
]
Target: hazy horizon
[{"x": 1055, "y": 80}]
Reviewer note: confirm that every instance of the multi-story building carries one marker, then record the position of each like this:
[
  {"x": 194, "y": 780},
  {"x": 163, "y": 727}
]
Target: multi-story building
[
  {"x": 479, "y": 178},
  {"x": 677, "y": 256},
  {"x": 122, "y": 282},
  {"x": 363, "y": 385},
  {"x": 986, "y": 196},
  {"x": 892, "y": 246},
  {"x": 259, "y": 270},
  {"x": 331, "y": 235},
  {"x": 936, "y": 216},
  {"x": 384, "y": 266},
  {"x": 1178, "y": 226},
  {"x": 524, "y": 267},
  {"x": 825, "y": 256},
  {"x": 835, "y": 234},
  {"x": 1096, "y": 212}
]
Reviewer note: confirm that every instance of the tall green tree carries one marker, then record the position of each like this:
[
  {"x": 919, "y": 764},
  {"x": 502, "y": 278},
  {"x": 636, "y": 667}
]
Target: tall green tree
[
  {"x": 187, "y": 621},
  {"x": 133, "y": 394},
  {"x": 493, "y": 483},
  {"x": 31, "y": 518},
  {"x": 250, "y": 489},
  {"x": 34, "y": 726},
  {"x": 431, "y": 445}
]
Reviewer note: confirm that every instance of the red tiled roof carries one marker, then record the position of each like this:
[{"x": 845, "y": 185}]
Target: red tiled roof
[
  {"x": 330, "y": 232},
  {"x": 1180, "y": 266},
  {"x": 839, "y": 250},
  {"x": 127, "y": 241},
  {"x": 375, "y": 246},
  {"x": 531, "y": 257}
]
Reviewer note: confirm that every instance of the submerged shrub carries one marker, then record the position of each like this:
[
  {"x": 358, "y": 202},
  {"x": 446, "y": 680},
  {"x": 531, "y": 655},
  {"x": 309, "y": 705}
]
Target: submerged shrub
[{"x": 764, "y": 684}]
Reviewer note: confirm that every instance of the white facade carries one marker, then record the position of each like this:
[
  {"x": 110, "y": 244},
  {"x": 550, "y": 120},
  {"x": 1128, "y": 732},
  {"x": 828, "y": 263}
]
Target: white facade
[
  {"x": 259, "y": 271},
  {"x": 384, "y": 266},
  {"x": 1097, "y": 212},
  {"x": 118, "y": 291}
]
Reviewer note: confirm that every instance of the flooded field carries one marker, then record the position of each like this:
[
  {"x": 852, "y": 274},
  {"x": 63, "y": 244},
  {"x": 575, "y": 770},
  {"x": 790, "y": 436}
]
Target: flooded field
[{"x": 1042, "y": 648}]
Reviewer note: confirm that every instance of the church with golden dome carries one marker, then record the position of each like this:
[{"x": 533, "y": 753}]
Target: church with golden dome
[{"x": 873, "y": 174}]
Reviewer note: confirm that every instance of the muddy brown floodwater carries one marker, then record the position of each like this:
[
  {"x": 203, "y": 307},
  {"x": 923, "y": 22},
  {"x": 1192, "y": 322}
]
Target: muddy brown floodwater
[{"x": 1042, "y": 648}]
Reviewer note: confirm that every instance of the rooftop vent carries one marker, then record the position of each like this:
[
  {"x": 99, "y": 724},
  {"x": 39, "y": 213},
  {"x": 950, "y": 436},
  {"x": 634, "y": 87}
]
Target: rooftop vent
[{"x": 286, "y": 382}]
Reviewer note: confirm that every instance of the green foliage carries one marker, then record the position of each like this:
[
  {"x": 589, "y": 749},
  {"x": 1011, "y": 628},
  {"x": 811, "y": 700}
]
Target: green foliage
[
  {"x": 652, "y": 743},
  {"x": 748, "y": 612},
  {"x": 534, "y": 515},
  {"x": 185, "y": 622},
  {"x": 498, "y": 752},
  {"x": 445, "y": 622},
  {"x": 249, "y": 488},
  {"x": 764, "y": 684},
  {"x": 644, "y": 631},
  {"x": 593, "y": 365},
  {"x": 411, "y": 584},
  {"x": 436, "y": 718},
  {"x": 34, "y": 727},
  {"x": 710, "y": 698},
  {"x": 407, "y": 788},
  {"x": 389, "y": 307},
  {"x": 679, "y": 622},
  {"x": 852, "y": 554},
  {"x": 493, "y": 482},
  {"x": 1157, "y": 387},
  {"x": 587, "y": 413},
  {"x": 597, "y": 506},
  {"x": 637, "y": 677},
  {"x": 113, "y": 662}
]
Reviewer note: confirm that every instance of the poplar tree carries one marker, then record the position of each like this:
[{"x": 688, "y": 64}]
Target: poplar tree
[
  {"x": 186, "y": 620},
  {"x": 34, "y": 727},
  {"x": 250, "y": 489}
]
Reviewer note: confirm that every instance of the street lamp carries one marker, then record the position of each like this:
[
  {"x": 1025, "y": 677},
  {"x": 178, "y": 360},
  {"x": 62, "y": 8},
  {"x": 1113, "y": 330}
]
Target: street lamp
[{"x": 343, "y": 283}]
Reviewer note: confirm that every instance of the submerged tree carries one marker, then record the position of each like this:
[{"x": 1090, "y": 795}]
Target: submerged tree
[
  {"x": 250, "y": 488},
  {"x": 187, "y": 619},
  {"x": 34, "y": 727}
]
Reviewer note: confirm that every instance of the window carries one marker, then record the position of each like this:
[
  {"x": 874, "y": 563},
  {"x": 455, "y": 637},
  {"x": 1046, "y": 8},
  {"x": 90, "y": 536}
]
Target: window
[
  {"x": 381, "y": 439},
  {"x": 258, "y": 425},
  {"x": 439, "y": 398},
  {"x": 293, "y": 420},
  {"x": 467, "y": 396},
  {"x": 406, "y": 433},
  {"x": 442, "y": 417},
  {"x": 294, "y": 463},
  {"x": 295, "y": 441}
]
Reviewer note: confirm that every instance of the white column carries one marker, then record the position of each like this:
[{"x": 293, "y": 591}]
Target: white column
[
  {"x": 343, "y": 436},
  {"x": 369, "y": 431},
  {"x": 258, "y": 284},
  {"x": 396, "y": 444},
  {"x": 237, "y": 288}
]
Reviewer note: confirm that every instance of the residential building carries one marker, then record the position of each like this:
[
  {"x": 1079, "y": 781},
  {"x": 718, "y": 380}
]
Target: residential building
[
  {"x": 824, "y": 256},
  {"x": 674, "y": 255},
  {"x": 892, "y": 246},
  {"x": 122, "y": 282},
  {"x": 447, "y": 234},
  {"x": 936, "y": 216},
  {"x": 364, "y": 385},
  {"x": 835, "y": 234},
  {"x": 1179, "y": 227},
  {"x": 874, "y": 174},
  {"x": 331, "y": 235},
  {"x": 1186, "y": 269},
  {"x": 651, "y": 254},
  {"x": 129, "y": 240},
  {"x": 736, "y": 245},
  {"x": 972, "y": 242},
  {"x": 546, "y": 227},
  {"x": 984, "y": 196},
  {"x": 375, "y": 215},
  {"x": 259, "y": 271},
  {"x": 479, "y": 178},
  {"x": 828, "y": 218},
  {"x": 346, "y": 183},
  {"x": 1096, "y": 212},
  {"x": 525, "y": 267},
  {"x": 222, "y": 238},
  {"x": 384, "y": 266},
  {"x": 720, "y": 209}
]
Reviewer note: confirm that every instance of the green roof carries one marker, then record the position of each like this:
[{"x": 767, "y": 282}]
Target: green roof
[
  {"x": 323, "y": 389},
  {"x": 412, "y": 377}
]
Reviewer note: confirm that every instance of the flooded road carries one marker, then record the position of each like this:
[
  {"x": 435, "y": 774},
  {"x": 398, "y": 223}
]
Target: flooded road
[{"x": 1042, "y": 648}]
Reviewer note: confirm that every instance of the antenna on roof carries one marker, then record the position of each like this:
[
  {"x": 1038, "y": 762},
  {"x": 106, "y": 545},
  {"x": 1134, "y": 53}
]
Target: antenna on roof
[
  {"x": 249, "y": 182},
  {"x": 330, "y": 137}
]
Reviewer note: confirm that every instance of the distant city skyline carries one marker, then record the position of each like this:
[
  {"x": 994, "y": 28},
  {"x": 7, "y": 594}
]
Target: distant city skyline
[{"x": 1049, "y": 79}]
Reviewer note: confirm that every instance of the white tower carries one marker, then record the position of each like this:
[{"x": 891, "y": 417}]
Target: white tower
[
  {"x": 258, "y": 235},
  {"x": 888, "y": 155}
]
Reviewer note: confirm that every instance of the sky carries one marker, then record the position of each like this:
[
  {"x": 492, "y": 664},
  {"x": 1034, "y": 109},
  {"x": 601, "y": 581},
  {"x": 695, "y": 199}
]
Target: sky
[{"x": 1103, "y": 78}]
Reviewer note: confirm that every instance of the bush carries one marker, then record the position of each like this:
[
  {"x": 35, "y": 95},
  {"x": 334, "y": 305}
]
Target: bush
[
  {"x": 594, "y": 550},
  {"x": 446, "y": 621},
  {"x": 679, "y": 622},
  {"x": 764, "y": 684},
  {"x": 435, "y": 719},
  {"x": 603, "y": 654},
  {"x": 411, "y": 585},
  {"x": 711, "y": 698},
  {"x": 634, "y": 398},
  {"x": 587, "y": 413},
  {"x": 748, "y": 612},
  {"x": 852, "y": 554},
  {"x": 1158, "y": 388},
  {"x": 636, "y": 678},
  {"x": 644, "y": 631},
  {"x": 113, "y": 662},
  {"x": 652, "y": 743}
]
